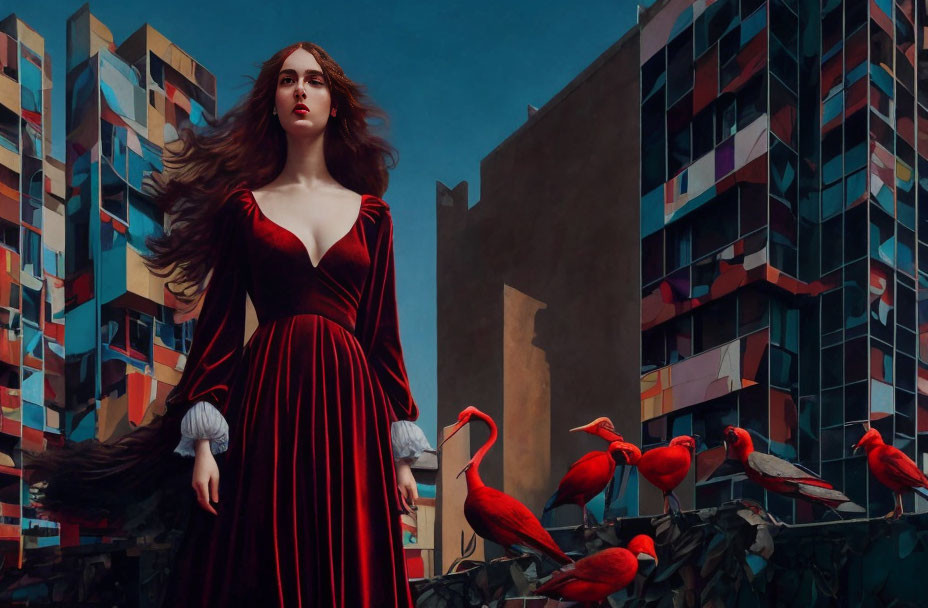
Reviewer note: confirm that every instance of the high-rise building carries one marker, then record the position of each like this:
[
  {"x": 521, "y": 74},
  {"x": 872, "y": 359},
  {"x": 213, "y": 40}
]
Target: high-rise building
[
  {"x": 781, "y": 283},
  {"x": 126, "y": 349},
  {"x": 31, "y": 282},
  {"x": 126, "y": 345},
  {"x": 124, "y": 104}
]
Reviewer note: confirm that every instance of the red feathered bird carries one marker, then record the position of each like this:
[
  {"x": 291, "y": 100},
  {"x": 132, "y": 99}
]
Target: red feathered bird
[
  {"x": 602, "y": 427},
  {"x": 495, "y": 515},
  {"x": 667, "y": 466},
  {"x": 594, "y": 578},
  {"x": 892, "y": 468},
  {"x": 782, "y": 477},
  {"x": 590, "y": 475}
]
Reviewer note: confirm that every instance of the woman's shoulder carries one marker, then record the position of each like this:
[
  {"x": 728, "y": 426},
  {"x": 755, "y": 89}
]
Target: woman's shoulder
[
  {"x": 238, "y": 193},
  {"x": 238, "y": 203},
  {"x": 374, "y": 207}
]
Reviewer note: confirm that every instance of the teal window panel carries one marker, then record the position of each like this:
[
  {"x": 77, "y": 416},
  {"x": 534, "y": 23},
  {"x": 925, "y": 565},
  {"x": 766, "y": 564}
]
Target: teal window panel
[
  {"x": 33, "y": 416},
  {"x": 652, "y": 211}
]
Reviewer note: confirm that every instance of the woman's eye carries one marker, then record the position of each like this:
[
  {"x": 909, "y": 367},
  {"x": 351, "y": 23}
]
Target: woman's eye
[{"x": 317, "y": 82}]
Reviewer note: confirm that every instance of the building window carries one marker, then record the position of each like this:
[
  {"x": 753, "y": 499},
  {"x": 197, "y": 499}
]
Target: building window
[
  {"x": 32, "y": 252},
  {"x": 128, "y": 332},
  {"x": 714, "y": 324},
  {"x": 715, "y": 225}
]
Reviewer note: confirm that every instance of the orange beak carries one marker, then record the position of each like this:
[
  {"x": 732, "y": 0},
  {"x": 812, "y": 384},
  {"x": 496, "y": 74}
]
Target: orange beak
[{"x": 585, "y": 427}]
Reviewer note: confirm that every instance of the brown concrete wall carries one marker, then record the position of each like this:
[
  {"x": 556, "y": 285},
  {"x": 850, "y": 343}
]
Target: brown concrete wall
[
  {"x": 526, "y": 403},
  {"x": 557, "y": 222}
]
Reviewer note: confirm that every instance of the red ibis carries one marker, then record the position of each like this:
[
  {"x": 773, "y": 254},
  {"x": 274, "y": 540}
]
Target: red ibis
[
  {"x": 596, "y": 577},
  {"x": 666, "y": 467},
  {"x": 892, "y": 468},
  {"x": 493, "y": 514},
  {"x": 782, "y": 477}
]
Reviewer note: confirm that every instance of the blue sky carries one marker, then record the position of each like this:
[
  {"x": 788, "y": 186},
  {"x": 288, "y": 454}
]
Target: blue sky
[{"x": 455, "y": 78}]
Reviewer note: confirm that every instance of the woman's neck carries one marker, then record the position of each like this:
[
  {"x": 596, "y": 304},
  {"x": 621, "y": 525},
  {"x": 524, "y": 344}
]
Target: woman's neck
[{"x": 305, "y": 165}]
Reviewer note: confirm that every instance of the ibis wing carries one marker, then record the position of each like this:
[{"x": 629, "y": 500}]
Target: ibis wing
[
  {"x": 778, "y": 468},
  {"x": 617, "y": 561},
  {"x": 599, "y": 568},
  {"x": 664, "y": 461},
  {"x": 902, "y": 468},
  {"x": 589, "y": 456},
  {"x": 557, "y": 582},
  {"x": 805, "y": 469},
  {"x": 819, "y": 493},
  {"x": 498, "y": 512}
]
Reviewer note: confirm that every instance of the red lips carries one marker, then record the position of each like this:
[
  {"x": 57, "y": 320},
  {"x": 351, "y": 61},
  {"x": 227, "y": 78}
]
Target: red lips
[{"x": 299, "y": 107}]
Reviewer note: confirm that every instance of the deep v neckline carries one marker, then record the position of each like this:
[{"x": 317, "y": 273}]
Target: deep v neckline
[{"x": 292, "y": 235}]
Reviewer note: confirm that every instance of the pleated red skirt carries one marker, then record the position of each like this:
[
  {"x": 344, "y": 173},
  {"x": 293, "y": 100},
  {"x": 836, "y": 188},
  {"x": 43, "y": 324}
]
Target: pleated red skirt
[{"x": 305, "y": 514}]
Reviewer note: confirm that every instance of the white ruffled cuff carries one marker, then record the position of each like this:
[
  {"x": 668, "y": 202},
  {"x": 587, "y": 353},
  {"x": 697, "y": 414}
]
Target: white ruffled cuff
[
  {"x": 203, "y": 421},
  {"x": 408, "y": 441}
]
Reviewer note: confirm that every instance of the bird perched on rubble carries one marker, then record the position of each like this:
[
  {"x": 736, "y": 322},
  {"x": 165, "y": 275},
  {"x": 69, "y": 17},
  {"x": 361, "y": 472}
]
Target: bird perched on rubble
[
  {"x": 667, "y": 466},
  {"x": 892, "y": 468},
  {"x": 493, "y": 514},
  {"x": 782, "y": 477},
  {"x": 590, "y": 475},
  {"x": 596, "y": 577}
]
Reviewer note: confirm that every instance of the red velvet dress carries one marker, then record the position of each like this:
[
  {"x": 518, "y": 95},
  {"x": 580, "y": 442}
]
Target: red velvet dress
[{"x": 308, "y": 507}]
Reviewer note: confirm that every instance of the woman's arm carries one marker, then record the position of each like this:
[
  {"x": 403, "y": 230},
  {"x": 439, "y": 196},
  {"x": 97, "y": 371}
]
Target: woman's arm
[{"x": 377, "y": 327}]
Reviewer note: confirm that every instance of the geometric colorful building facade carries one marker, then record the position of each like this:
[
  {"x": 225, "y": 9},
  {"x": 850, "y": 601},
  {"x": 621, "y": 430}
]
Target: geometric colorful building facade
[
  {"x": 32, "y": 190},
  {"x": 125, "y": 349},
  {"x": 784, "y": 278},
  {"x": 71, "y": 239},
  {"x": 125, "y": 346},
  {"x": 72, "y": 236}
]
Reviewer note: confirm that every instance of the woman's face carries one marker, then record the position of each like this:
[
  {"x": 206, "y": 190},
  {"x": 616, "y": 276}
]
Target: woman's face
[{"x": 301, "y": 81}]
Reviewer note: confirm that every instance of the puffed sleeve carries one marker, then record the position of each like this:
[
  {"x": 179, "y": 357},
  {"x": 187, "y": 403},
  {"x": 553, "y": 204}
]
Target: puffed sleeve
[
  {"x": 408, "y": 441},
  {"x": 203, "y": 421},
  {"x": 219, "y": 331},
  {"x": 377, "y": 326}
]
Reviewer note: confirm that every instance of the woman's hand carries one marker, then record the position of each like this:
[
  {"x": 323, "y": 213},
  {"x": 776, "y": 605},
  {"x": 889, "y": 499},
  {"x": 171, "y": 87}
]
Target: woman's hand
[
  {"x": 405, "y": 481},
  {"x": 205, "y": 476}
]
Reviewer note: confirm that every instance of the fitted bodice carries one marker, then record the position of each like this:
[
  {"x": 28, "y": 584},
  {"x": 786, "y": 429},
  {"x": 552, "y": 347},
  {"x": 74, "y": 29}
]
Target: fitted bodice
[{"x": 281, "y": 278}]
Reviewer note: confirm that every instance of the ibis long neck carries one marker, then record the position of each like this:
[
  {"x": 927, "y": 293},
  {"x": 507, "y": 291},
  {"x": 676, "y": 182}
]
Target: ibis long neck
[
  {"x": 473, "y": 473},
  {"x": 873, "y": 443}
]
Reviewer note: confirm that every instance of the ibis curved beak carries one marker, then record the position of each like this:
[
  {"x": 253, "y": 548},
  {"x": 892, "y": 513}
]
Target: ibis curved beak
[
  {"x": 454, "y": 430},
  {"x": 585, "y": 427},
  {"x": 467, "y": 466},
  {"x": 855, "y": 448}
]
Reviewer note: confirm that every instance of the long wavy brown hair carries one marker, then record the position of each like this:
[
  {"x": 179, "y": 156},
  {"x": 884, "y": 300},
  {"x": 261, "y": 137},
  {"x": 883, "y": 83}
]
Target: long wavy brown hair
[
  {"x": 115, "y": 484},
  {"x": 247, "y": 146}
]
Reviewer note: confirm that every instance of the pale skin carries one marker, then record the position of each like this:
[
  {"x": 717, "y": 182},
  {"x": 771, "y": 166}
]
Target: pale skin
[{"x": 306, "y": 200}]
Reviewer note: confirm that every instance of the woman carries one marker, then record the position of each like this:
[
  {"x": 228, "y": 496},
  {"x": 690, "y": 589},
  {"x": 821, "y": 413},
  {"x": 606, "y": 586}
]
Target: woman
[{"x": 280, "y": 200}]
